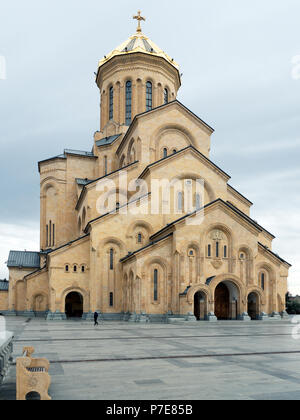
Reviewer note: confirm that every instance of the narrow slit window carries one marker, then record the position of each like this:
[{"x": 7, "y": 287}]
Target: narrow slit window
[
  {"x": 111, "y": 103},
  {"x": 263, "y": 281},
  {"x": 111, "y": 258},
  {"x": 155, "y": 285},
  {"x": 166, "y": 96},
  {"x": 217, "y": 249},
  {"x": 165, "y": 152},
  {"x": 50, "y": 231},
  {"x": 128, "y": 102},
  {"x": 209, "y": 251},
  {"x": 225, "y": 251},
  {"x": 46, "y": 236},
  {"x": 139, "y": 238},
  {"x": 53, "y": 234},
  {"x": 148, "y": 96},
  {"x": 111, "y": 299}
]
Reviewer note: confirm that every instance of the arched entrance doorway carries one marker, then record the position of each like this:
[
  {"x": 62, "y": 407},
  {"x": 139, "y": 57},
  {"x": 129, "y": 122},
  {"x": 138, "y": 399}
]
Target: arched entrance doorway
[
  {"x": 253, "y": 306},
  {"x": 226, "y": 301},
  {"x": 200, "y": 306},
  {"x": 74, "y": 305}
]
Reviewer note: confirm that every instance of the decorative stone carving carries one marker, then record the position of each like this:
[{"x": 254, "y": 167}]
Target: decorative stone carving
[
  {"x": 217, "y": 235},
  {"x": 217, "y": 264}
]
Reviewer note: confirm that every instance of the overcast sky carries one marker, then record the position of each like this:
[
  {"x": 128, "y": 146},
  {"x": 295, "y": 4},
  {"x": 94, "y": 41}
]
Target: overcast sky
[{"x": 240, "y": 74}]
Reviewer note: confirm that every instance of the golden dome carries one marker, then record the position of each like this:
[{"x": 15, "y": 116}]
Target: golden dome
[{"x": 138, "y": 43}]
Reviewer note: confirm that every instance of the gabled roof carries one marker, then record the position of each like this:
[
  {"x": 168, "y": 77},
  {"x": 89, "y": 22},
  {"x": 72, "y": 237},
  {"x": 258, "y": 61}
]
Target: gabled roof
[
  {"x": 24, "y": 259},
  {"x": 4, "y": 285},
  {"x": 153, "y": 110},
  {"x": 273, "y": 254},
  {"x": 69, "y": 152},
  {"x": 116, "y": 210},
  {"x": 131, "y": 254},
  {"x": 88, "y": 182},
  {"x": 228, "y": 205},
  {"x": 107, "y": 140},
  {"x": 50, "y": 251},
  {"x": 181, "y": 151}
]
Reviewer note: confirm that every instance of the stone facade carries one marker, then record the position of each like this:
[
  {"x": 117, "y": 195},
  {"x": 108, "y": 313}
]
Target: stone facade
[{"x": 141, "y": 265}]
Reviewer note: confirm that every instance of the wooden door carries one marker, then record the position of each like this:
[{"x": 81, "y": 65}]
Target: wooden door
[{"x": 222, "y": 302}]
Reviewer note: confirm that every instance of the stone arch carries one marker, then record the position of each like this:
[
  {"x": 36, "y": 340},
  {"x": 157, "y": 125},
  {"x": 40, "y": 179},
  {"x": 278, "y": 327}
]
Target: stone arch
[
  {"x": 38, "y": 304},
  {"x": 131, "y": 152},
  {"x": 162, "y": 265},
  {"x": 164, "y": 130},
  {"x": 218, "y": 235},
  {"x": 198, "y": 288},
  {"x": 245, "y": 258},
  {"x": 208, "y": 190},
  {"x": 270, "y": 279},
  {"x": 227, "y": 279},
  {"x": 139, "y": 226},
  {"x": 253, "y": 304},
  {"x": 80, "y": 291},
  {"x": 193, "y": 257}
]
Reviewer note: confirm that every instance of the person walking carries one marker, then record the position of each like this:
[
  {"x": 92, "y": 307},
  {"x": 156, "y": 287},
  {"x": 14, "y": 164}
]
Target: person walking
[{"x": 96, "y": 319}]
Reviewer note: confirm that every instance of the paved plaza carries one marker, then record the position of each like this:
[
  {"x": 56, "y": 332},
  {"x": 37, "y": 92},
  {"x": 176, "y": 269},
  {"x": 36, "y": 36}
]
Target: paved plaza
[{"x": 226, "y": 360}]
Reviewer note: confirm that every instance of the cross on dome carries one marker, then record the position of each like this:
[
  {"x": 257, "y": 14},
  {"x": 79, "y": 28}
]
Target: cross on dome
[{"x": 139, "y": 18}]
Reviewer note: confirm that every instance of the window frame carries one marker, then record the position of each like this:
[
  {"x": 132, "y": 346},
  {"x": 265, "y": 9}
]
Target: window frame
[
  {"x": 149, "y": 96},
  {"x": 128, "y": 102}
]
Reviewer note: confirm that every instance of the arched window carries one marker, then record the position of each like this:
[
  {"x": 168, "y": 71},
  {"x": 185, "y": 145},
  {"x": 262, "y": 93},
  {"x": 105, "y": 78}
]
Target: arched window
[
  {"x": 217, "y": 249},
  {"x": 75, "y": 268},
  {"x": 262, "y": 280},
  {"x": 140, "y": 238},
  {"x": 128, "y": 102},
  {"x": 155, "y": 283},
  {"x": 82, "y": 268},
  {"x": 174, "y": 151},
  {"x": 148, "y": 96},
  {"x": 165, "y": 152},
  {"x": 67, "y": 268},
  {"x": 111, "y": 259},
  {"x": 166, "y": 96},
  {"x": 111, "y": 103}
]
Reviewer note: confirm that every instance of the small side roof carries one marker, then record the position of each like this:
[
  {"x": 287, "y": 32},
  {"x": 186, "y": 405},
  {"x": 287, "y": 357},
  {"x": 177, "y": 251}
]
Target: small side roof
[
  {"x": 25, "y": 259},
  {"x": 4, "y": 284},
  {"x": 107, "y": 140}
]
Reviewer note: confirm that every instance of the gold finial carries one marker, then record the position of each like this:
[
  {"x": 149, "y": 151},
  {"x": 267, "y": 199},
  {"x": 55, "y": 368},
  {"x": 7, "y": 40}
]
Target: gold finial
[{"x": 139, "y": 18}]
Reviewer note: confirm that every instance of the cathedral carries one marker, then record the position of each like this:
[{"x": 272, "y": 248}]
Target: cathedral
[{"x": 144, "y": 227}]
